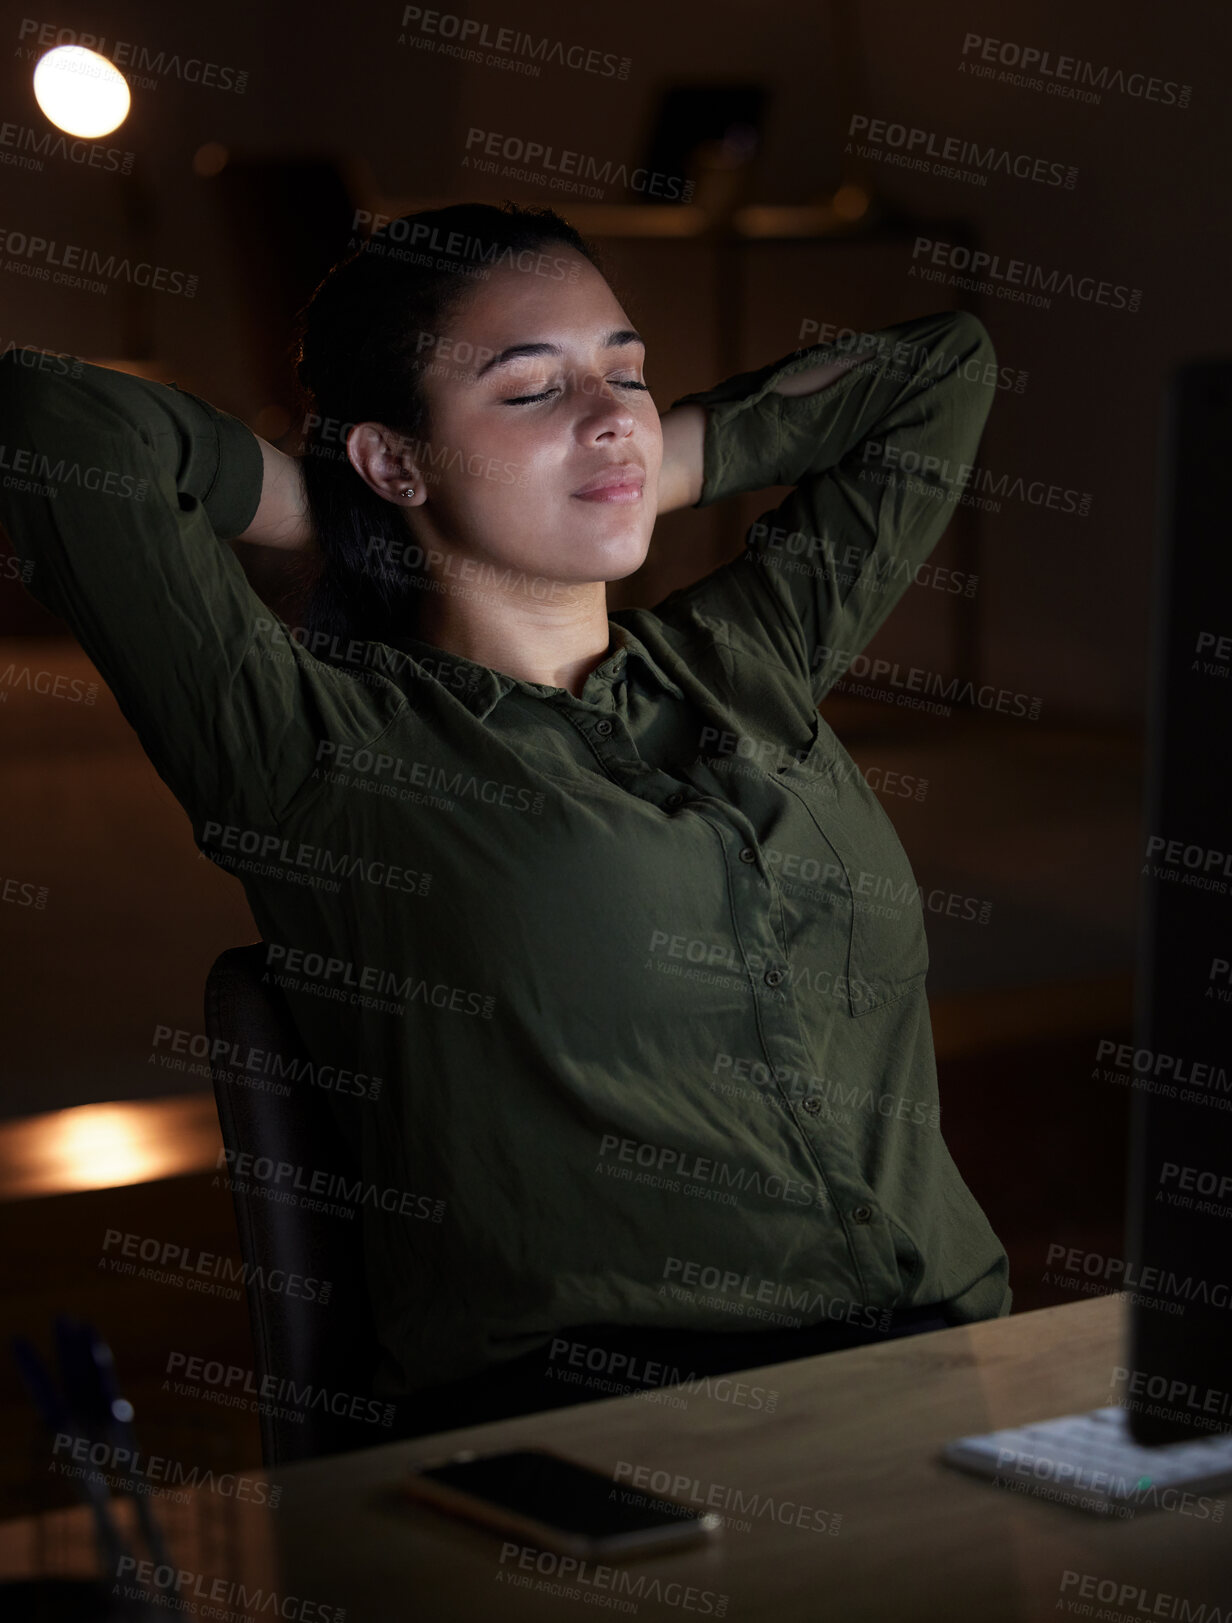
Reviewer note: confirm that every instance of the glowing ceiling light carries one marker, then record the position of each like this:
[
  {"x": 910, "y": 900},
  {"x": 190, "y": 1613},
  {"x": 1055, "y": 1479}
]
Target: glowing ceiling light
[{"x": 81, "y": 92}]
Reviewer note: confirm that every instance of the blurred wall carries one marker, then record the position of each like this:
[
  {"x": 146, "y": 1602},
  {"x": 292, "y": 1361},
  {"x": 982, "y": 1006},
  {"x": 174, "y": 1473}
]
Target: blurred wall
[{"x": 1062, "y": 600}]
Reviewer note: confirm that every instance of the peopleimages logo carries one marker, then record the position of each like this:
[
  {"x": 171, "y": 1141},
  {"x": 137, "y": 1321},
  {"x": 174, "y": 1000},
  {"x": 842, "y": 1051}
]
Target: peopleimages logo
[
  {"x": 182, "y": 1589},
  {"x": 261, "y": 1175},
  {"x": 1218, "y": 647},
  {"x": 115, "y": 1465},
  {"x": 34, "y": 472},
  {"x": 1015, "y": 279},
  {"x": 23, "y": 892},
  {"x": 909, "y": 147},
  {"x": 907, "y": 685},
  {"x": 735, "y": 1504},
  {"x": 1060, "y": 75},
  {"x": 1187, "y": 863},
  {"x": 57, "y": 361},
  {"x": 1116, "y": 1273},
  {"x": 257, "y": 1067},
  {"x": 24, "y": 148},
  {"x": 138, "y": 63},
  {"x": 664, "y": 1164},
  {"x": 468, "y": 39},
  {"x": 1179, "y": 1184},
  {"x": 23, "y": 678},
  {"x": 32, "y": 256},
  {"x": 561, "y": 164},
  {"x": 454, "y": 249},
  {"x": 231, "y": 1386},
  {"x": 728, "y": 1289},
  {"x": 570, "y": 1577},
  {"x": 230, "y": 846},
  {"x": 167, "y": 1262},
  {"x": 909, "y": 361},
  {"x": 1123, "y": 1592},
  {"x": 795, "y": 552},
  {"x": 968, "y": 477},
  {"x": 1169, "y": 1390},
  {"x": 300, "y": 969}
]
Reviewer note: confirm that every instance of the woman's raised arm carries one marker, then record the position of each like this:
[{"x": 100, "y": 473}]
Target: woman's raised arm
[
  {"x": 119, "y": 493},
  {"x": 879, "y": 440}
]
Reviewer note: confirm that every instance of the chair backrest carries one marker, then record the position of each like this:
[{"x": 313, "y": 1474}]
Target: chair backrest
[{"x": 303, "y": 1348}]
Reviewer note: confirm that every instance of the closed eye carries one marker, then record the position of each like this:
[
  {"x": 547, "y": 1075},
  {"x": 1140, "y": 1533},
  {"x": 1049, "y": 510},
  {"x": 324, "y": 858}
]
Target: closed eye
[{"x": 529, "y": 399}]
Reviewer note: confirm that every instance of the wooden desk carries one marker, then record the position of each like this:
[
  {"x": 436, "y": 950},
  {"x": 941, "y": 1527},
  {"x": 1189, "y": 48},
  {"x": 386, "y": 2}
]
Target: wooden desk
[{"x": 852, "y": 1435}]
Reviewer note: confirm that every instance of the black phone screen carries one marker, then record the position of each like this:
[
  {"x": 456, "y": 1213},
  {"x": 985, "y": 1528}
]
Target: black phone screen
[{"x": 558, "y": 1493}]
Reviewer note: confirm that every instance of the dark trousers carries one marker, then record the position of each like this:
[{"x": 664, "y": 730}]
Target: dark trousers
[{"x": 586, "y": 1363}]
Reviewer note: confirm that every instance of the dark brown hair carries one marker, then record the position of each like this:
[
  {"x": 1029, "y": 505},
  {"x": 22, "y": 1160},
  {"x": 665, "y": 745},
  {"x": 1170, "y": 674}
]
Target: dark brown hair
[{"x": 360, "y": 356}]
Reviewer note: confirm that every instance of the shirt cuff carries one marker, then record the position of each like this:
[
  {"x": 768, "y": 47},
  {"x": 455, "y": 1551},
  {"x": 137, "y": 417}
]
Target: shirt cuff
[{"x": 234, "y": 492}]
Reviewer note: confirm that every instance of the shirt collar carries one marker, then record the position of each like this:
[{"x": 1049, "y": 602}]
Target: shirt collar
[
  {"x": 481, "y": 689},
  {"x": 633, "y": 648}
]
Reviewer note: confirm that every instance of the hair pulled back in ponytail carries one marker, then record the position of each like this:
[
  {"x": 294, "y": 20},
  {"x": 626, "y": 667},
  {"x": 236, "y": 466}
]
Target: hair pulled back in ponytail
[{"x": 363, "y": 342}]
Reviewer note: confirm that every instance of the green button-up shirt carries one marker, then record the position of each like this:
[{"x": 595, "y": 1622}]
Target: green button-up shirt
[{"x": 624, "y": 992}]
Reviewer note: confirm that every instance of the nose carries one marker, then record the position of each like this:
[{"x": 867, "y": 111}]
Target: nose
[{"x": 607, "y": 412}]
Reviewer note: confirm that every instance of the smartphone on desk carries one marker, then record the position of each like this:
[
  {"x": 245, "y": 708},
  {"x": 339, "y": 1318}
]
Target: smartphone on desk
[{"x": 542, "y": 1498}]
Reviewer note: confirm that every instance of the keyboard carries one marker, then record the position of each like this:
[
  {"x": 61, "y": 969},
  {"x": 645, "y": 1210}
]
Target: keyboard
[{"x": 1091, "y": 1461}]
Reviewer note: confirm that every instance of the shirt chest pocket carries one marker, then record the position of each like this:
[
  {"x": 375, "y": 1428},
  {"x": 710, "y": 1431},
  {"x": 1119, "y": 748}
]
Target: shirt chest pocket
[{"x": 887, "y": 945}]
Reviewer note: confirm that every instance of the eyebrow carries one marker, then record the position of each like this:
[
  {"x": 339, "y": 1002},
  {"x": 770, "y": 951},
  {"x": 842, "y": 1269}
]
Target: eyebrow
[{"x": 616, "y": 339}]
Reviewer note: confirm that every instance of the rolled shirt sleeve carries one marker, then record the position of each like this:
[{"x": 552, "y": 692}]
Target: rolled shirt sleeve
[
  {"x": 119, "y": 493},
  {"x": 878, "y": 459}
]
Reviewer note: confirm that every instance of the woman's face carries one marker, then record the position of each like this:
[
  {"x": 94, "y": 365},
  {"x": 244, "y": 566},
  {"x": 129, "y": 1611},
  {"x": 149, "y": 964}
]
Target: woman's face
[{"x": 535, "y": 391}]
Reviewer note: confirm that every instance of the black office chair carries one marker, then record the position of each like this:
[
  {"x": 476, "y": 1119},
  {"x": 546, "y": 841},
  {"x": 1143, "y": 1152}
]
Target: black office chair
[{"x": 302, "y": 1348}]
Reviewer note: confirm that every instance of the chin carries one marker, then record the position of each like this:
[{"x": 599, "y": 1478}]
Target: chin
[
  {"x": 613, "y": 559},
  {"x": 621, "y": 562}
]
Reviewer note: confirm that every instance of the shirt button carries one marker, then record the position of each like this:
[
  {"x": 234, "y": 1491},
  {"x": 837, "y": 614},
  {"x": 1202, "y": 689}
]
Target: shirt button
[
  {"x": 772, "y": 977},
  {"x": 673, "y": 800},
  {"x": 748, "y": 854},
  {"x": 812, "y": 1105},
  {"x": 603, "y": 728},
  {"x": 862, "y": 1214}
]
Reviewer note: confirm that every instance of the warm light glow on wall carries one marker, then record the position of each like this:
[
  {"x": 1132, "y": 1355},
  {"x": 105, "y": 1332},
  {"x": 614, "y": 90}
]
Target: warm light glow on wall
[
  {"x": 106, "y": 1146},
  {"x": 99, "y": 1147},
  {"x": 210, "y": 159},
  {"x": 850, "y": 202},
  {"x": 81, "y": 92}
]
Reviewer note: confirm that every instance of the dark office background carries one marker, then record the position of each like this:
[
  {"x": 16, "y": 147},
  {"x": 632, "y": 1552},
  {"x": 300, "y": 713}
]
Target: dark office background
[{"x": 1037, "y": 820}]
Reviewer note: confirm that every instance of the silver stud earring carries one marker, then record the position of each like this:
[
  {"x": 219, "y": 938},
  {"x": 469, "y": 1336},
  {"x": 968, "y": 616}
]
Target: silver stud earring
[{"x": 409, "y": 491}]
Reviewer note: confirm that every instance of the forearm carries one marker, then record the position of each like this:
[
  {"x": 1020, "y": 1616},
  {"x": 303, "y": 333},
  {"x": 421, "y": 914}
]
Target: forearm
[
  {"x": 684, "y": 435},
  {"x": 282, "y": 518},
  {"x": 680, "y": 476}
]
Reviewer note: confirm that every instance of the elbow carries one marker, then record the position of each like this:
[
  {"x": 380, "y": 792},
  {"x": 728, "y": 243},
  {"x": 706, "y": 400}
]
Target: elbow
[
  {"x": 25, "y": 377},
  {"x": 12, "y": 376},
  {"x": 971, "y": 342},
  {"x": 15, "y": 388}
]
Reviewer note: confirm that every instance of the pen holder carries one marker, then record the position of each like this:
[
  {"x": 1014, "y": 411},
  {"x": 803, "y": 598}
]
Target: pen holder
[{"x": 67, "y": 1557}]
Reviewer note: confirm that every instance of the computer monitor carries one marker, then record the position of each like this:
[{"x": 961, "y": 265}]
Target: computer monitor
[{"x": 1179, "y": 1231}]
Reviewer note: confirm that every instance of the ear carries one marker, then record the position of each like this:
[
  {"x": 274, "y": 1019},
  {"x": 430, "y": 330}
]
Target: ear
[{"x": 385, "y": 460}]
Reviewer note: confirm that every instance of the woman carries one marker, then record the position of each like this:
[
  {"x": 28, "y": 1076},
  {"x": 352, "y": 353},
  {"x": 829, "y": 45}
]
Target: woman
[{"x": 583, "y": 895}]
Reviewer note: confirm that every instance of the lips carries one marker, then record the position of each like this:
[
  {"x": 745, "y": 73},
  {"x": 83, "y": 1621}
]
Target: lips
[{"x": 621, "y": 481}]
